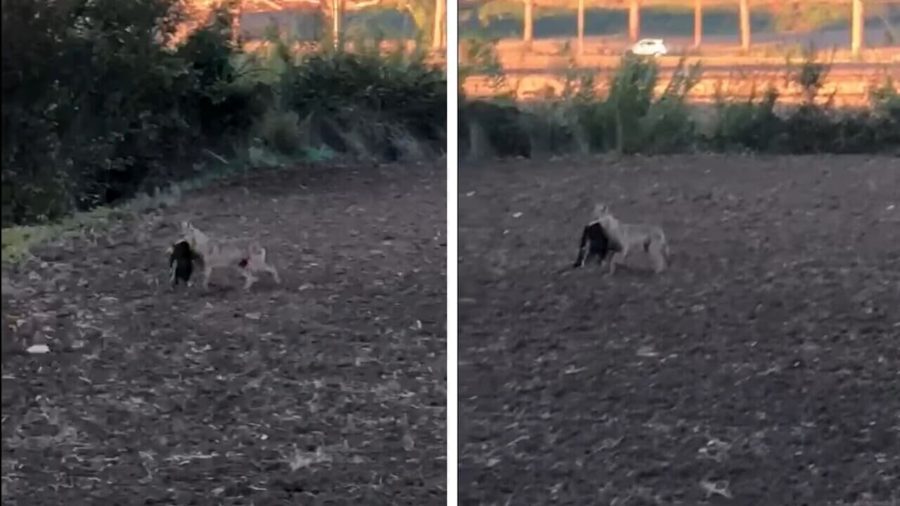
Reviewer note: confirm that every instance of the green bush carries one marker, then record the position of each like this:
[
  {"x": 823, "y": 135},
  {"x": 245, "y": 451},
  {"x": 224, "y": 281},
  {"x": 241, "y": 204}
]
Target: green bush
[
  {"x": 401, "y": 91},
  {"x": 668, "y": 126},
  {"x": 746, "y": 125},
  {"x": 632, "y": 118},
  {"x": 885, "y": 105},
  {"x": 553, "y": 129},
  {"x": 478, "y": 55},
  {"x": 493, "y": 129},
  {"x": 280, "y": 131},
  {"x": 95, "y": 104},
  {"x": 629, "y": 119},
  {"x": 99, "y": 104}
]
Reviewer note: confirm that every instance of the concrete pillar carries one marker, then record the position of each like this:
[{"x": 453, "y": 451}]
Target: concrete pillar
[
  {"x": 237, "y": 10},
  {"x": 857, "y": 37},
  {"x": 745, "y": 25},
  {"x": 337, "y": 15},
  {"x": 634, "y": 20},
  {"x": 580, "y": 27},
  {"x": 698, "y": 22},
  {"x": 528, "y": 28},
  {"x": 437, "y": 36}
]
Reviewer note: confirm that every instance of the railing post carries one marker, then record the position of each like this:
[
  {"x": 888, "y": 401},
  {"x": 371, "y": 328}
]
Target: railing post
[
  {"x": 634, "y": 20},
  {"x": 857, "y": 28},
  {"x": 745, "y": 25}
]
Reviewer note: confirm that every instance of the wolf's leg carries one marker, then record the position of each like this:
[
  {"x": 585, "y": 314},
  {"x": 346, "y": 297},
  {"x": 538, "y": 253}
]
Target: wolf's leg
[
  {"x": 249, "y": 279},
  {"x": 207, "y": 272},
  {"x": 656, "y": 253},
  {"x": 273, "y": 271}
]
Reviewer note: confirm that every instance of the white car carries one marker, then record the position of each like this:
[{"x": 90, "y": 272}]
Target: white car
[{"x": 649, "y": 47}]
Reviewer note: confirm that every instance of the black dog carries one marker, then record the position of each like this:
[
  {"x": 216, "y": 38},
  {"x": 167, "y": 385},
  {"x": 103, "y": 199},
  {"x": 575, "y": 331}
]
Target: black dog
[
  {"x": 598, "y": 242},
  {"x": 181, "y": 262}
]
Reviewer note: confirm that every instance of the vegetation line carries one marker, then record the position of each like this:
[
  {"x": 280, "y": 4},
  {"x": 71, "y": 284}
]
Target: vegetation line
[
  {"x": 636, "y": 116},
  {"x": 105, "y": 100}
]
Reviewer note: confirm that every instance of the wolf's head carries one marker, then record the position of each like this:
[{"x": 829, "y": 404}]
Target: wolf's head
[
  {"x": 193, "y": 235},
  {"x": 601, "y": 209}
]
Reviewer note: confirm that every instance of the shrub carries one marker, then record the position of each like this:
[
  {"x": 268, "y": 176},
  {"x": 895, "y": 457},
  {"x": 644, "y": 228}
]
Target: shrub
[
  {"x": 493, "y": 129},
  {"x": 553, "y": 129},
  {"x": 99, "y": 104},
  {"x": 280, "y": 131},
  {"x": 629, "y": 119},
  {"x": 746, "y": 125},
  {"x": 393, "y": 93},
  {"x": 885, "y": 105},
  {"x": 633, "y": 119},
  {"x": 615, "y": 123},
  {"x": 478, "y": 55},
  {"x": 96, "y": 92},
  {"x": 668, "y": 126}
]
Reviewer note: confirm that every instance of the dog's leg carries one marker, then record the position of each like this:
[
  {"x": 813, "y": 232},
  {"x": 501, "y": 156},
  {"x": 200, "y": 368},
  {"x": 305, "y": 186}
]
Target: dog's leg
[{"x": 612, "y": 262}]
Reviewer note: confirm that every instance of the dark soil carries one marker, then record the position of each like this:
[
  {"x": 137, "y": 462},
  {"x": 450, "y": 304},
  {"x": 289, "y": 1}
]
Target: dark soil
[
  {"x": 327, "y": 389},
  {"x": 762, "y": 369}
]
